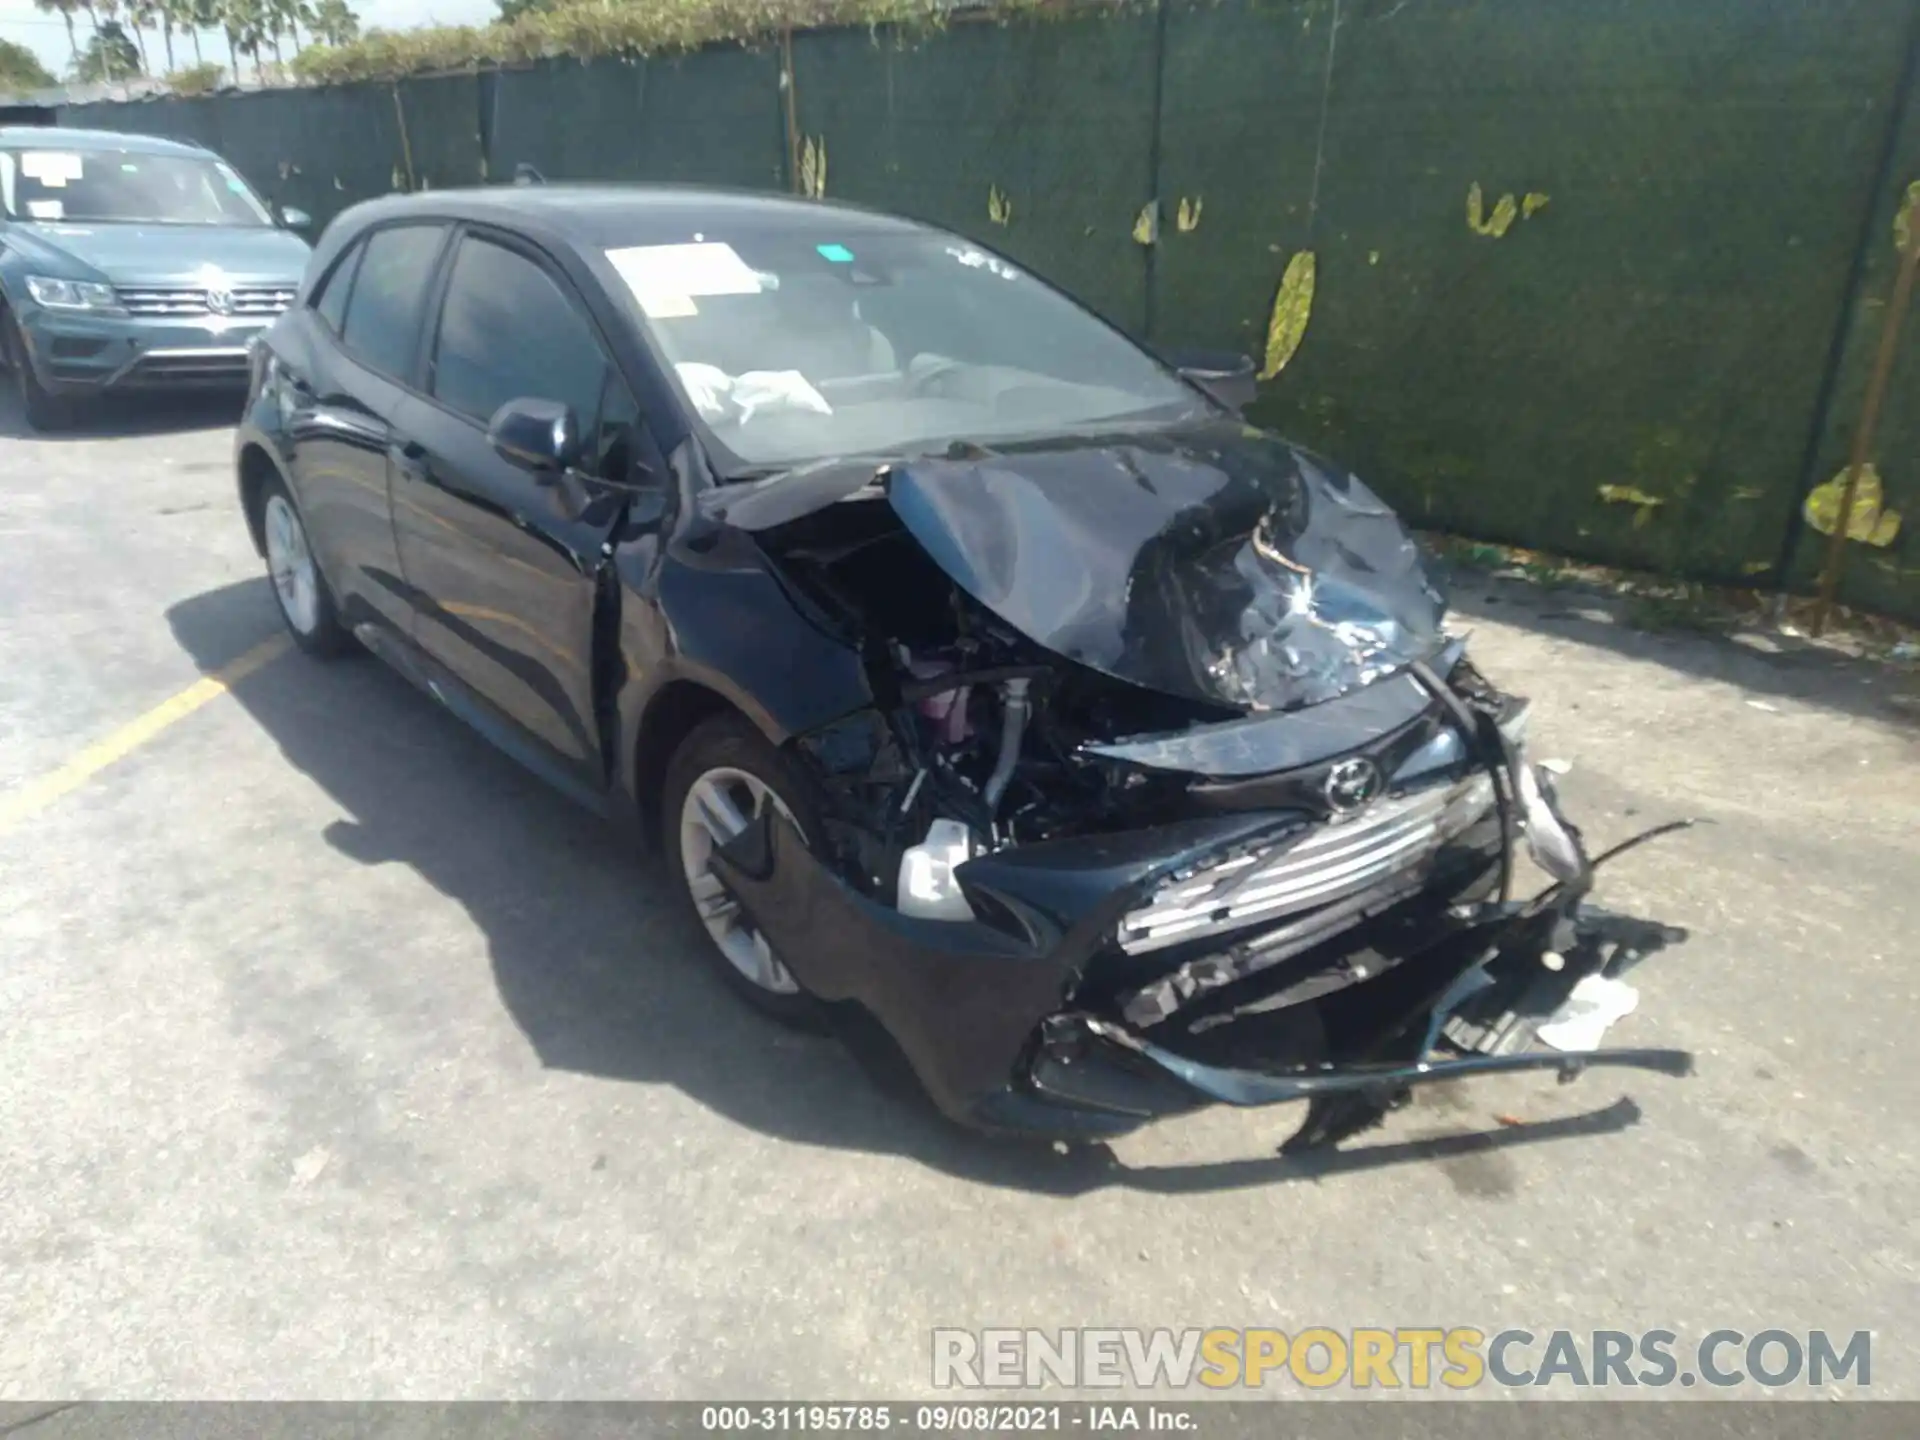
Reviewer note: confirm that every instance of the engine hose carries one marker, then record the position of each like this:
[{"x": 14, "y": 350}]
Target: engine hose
[
  {"x": 1013, "y": 728},
  {"x": 1496, "y": 757}
]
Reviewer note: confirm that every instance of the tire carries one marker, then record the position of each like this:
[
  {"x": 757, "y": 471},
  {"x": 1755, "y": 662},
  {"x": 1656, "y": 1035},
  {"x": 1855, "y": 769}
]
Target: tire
[
  {"x": 300, "y": 591},
  {"x": 45, "y": 411},
  {"x": 727, "y": 753}
]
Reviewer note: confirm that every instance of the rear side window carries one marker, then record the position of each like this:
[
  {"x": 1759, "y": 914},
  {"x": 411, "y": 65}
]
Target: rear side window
[
  {"x": 331, "y": 303},
  {"x": 382, "y": 329},
  {"x": 509, "y": 332}
]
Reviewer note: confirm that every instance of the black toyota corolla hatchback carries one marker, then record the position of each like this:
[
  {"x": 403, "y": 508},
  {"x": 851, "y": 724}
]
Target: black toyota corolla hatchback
[{"x": 980, "y": 673}]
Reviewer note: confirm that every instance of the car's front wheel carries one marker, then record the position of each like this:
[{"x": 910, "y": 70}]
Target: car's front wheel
[
  {"x": 299, "y": 589},
  {"x": 724, "y": 774}
]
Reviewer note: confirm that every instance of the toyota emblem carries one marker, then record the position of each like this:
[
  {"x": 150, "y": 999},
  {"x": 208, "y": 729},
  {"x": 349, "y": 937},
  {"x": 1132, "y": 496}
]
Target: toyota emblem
[
  {"x": 220, "y": 302},
  {"x": 1352, "y": 784}
]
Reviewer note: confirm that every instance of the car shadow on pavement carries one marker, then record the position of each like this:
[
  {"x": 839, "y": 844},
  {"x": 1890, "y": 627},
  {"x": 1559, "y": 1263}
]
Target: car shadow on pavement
[
  {"x": 600, "y": 971},
  {"x": 149, "y": 413}
]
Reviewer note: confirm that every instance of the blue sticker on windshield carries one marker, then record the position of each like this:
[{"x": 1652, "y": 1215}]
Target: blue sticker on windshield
[{"x": 838, "y": 254}]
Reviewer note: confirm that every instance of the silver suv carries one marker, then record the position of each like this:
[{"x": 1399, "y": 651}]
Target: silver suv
[{"x": 132, "y": 261}]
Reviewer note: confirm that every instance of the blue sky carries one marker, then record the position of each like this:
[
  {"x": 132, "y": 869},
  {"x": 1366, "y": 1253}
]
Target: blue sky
[{"x": 46, "y": 35}]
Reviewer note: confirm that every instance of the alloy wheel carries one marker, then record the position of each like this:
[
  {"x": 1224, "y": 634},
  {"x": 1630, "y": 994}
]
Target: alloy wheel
[
  {"x": 718, "y": 807},
  {"x": 290, "y": 563}
]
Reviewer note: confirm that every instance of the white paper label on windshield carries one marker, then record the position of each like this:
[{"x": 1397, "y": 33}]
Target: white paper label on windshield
[
  {"x": 51, "y": 167},
  {"x": 47, "y": 209},
  {"x": 667, "y": 279},
  {"x": 659, "y": 305}
]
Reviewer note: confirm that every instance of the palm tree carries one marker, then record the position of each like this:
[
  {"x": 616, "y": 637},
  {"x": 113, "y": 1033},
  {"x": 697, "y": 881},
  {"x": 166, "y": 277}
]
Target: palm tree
[
  {"x": 286, "y": 19},
  {"x": 245, "y": 22},
  {"x": 93, "y": 18},
  {"x": 111, "y": 36},
  {"x": 103, "y": 13},
  {"x": 110, "y": 55},
  {"x": 294, "y": 14},
  {"x": 201, "y": 15},
  {"x": 235, "y": 18},
  {"x": 140, "y": 15},
  {"x": 270, "y": 20},
  {"x": 64, "y": 9},
  {"x": 171, "y": 13},
  {"x": 334, "y": 23},
  {"x": 233, "y": 46}
]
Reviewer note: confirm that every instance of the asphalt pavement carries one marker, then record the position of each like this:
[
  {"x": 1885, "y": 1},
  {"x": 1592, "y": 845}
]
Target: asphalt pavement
[{"x": 340, "y": 1059}]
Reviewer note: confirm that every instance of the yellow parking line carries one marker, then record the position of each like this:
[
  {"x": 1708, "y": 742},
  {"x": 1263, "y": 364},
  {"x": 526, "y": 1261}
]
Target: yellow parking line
[{"x": 36, "y": 795}]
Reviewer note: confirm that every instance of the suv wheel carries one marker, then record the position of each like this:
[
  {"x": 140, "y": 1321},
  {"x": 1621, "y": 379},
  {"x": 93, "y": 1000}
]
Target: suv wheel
[{"x": 45, "y": 410}]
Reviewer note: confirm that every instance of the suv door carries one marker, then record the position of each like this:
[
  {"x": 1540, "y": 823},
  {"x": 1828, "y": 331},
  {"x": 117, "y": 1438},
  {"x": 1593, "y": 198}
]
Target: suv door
[
  {"x": 343, "y": 392},
  {"x": 503, "y": 575}
]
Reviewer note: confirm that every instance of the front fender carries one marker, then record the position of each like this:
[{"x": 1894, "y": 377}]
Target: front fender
[
  {"x": 712, "y": 613},
  {"x": 257, "y": 453}
]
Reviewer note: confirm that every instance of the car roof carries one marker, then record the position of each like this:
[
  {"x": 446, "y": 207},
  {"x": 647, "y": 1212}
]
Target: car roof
[
  {"x": 608, "y": 216},
  {"x": 45, "y": 137}
]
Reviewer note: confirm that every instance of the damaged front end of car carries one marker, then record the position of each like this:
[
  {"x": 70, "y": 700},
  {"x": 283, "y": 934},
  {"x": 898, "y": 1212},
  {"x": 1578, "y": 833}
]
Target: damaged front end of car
[{"x": 1173, "y": 792}]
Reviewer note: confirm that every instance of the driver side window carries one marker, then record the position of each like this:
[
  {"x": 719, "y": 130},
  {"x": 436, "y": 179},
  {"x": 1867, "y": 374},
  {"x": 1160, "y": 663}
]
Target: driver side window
[
  {"x": 613, "y": 443},
  {"x": 508, "y": 331}
]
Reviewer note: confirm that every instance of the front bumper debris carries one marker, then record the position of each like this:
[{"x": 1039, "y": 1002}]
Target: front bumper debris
[
  {"x": 1076, "y": 1046},
  {"x": 992, "y": 1013}
]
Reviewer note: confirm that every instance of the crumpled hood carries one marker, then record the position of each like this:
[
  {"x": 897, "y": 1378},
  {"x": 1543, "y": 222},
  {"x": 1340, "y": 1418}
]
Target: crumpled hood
[
  {"x": 1216, "y": 563},
  {"x": 168, "y": 254}
]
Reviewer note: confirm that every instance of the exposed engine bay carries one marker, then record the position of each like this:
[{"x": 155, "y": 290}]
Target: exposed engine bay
[
  {"x": 1189, "y": 734},
  {"x": 977, "y": 730}
]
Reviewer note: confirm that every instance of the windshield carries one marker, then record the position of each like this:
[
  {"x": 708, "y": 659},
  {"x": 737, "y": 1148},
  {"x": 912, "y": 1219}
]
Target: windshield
[
  {"x": 791, "y": 348},
  {"x": 107, "y": 186}
]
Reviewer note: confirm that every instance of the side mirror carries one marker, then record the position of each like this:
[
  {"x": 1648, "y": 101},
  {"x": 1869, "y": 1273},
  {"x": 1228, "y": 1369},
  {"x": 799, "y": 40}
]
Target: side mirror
[
  {"x": 538, "y": 435},
  {"x": 1227, "y": 378},
  {"x": 295, "y": 219}
]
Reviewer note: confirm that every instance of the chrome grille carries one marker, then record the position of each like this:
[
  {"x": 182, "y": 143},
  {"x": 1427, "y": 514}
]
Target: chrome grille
[
  {"x": 1341, "y": 858},
  {"x": 254, "y": 300}
]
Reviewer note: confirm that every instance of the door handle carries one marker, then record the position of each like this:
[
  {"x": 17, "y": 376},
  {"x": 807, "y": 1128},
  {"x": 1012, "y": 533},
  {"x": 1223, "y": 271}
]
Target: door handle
[{"x": 409, "y": 457}]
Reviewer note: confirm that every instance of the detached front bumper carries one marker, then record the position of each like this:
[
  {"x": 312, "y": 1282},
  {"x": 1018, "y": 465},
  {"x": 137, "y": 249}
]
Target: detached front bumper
[
  {"x": 1090, "y": 1062},
  {"x": 1018, "y": 1021},
  {"x": 75, "y": 353}
]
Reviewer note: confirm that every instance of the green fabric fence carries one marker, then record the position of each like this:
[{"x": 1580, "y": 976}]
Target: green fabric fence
[{"x": 1602, "y": 277}]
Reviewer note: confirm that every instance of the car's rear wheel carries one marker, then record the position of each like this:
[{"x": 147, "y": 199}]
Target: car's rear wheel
[
  {"x": 45, "y": 410},
  {"x": 299, "y": 589},
  {"x": 724, "y": 774}
]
